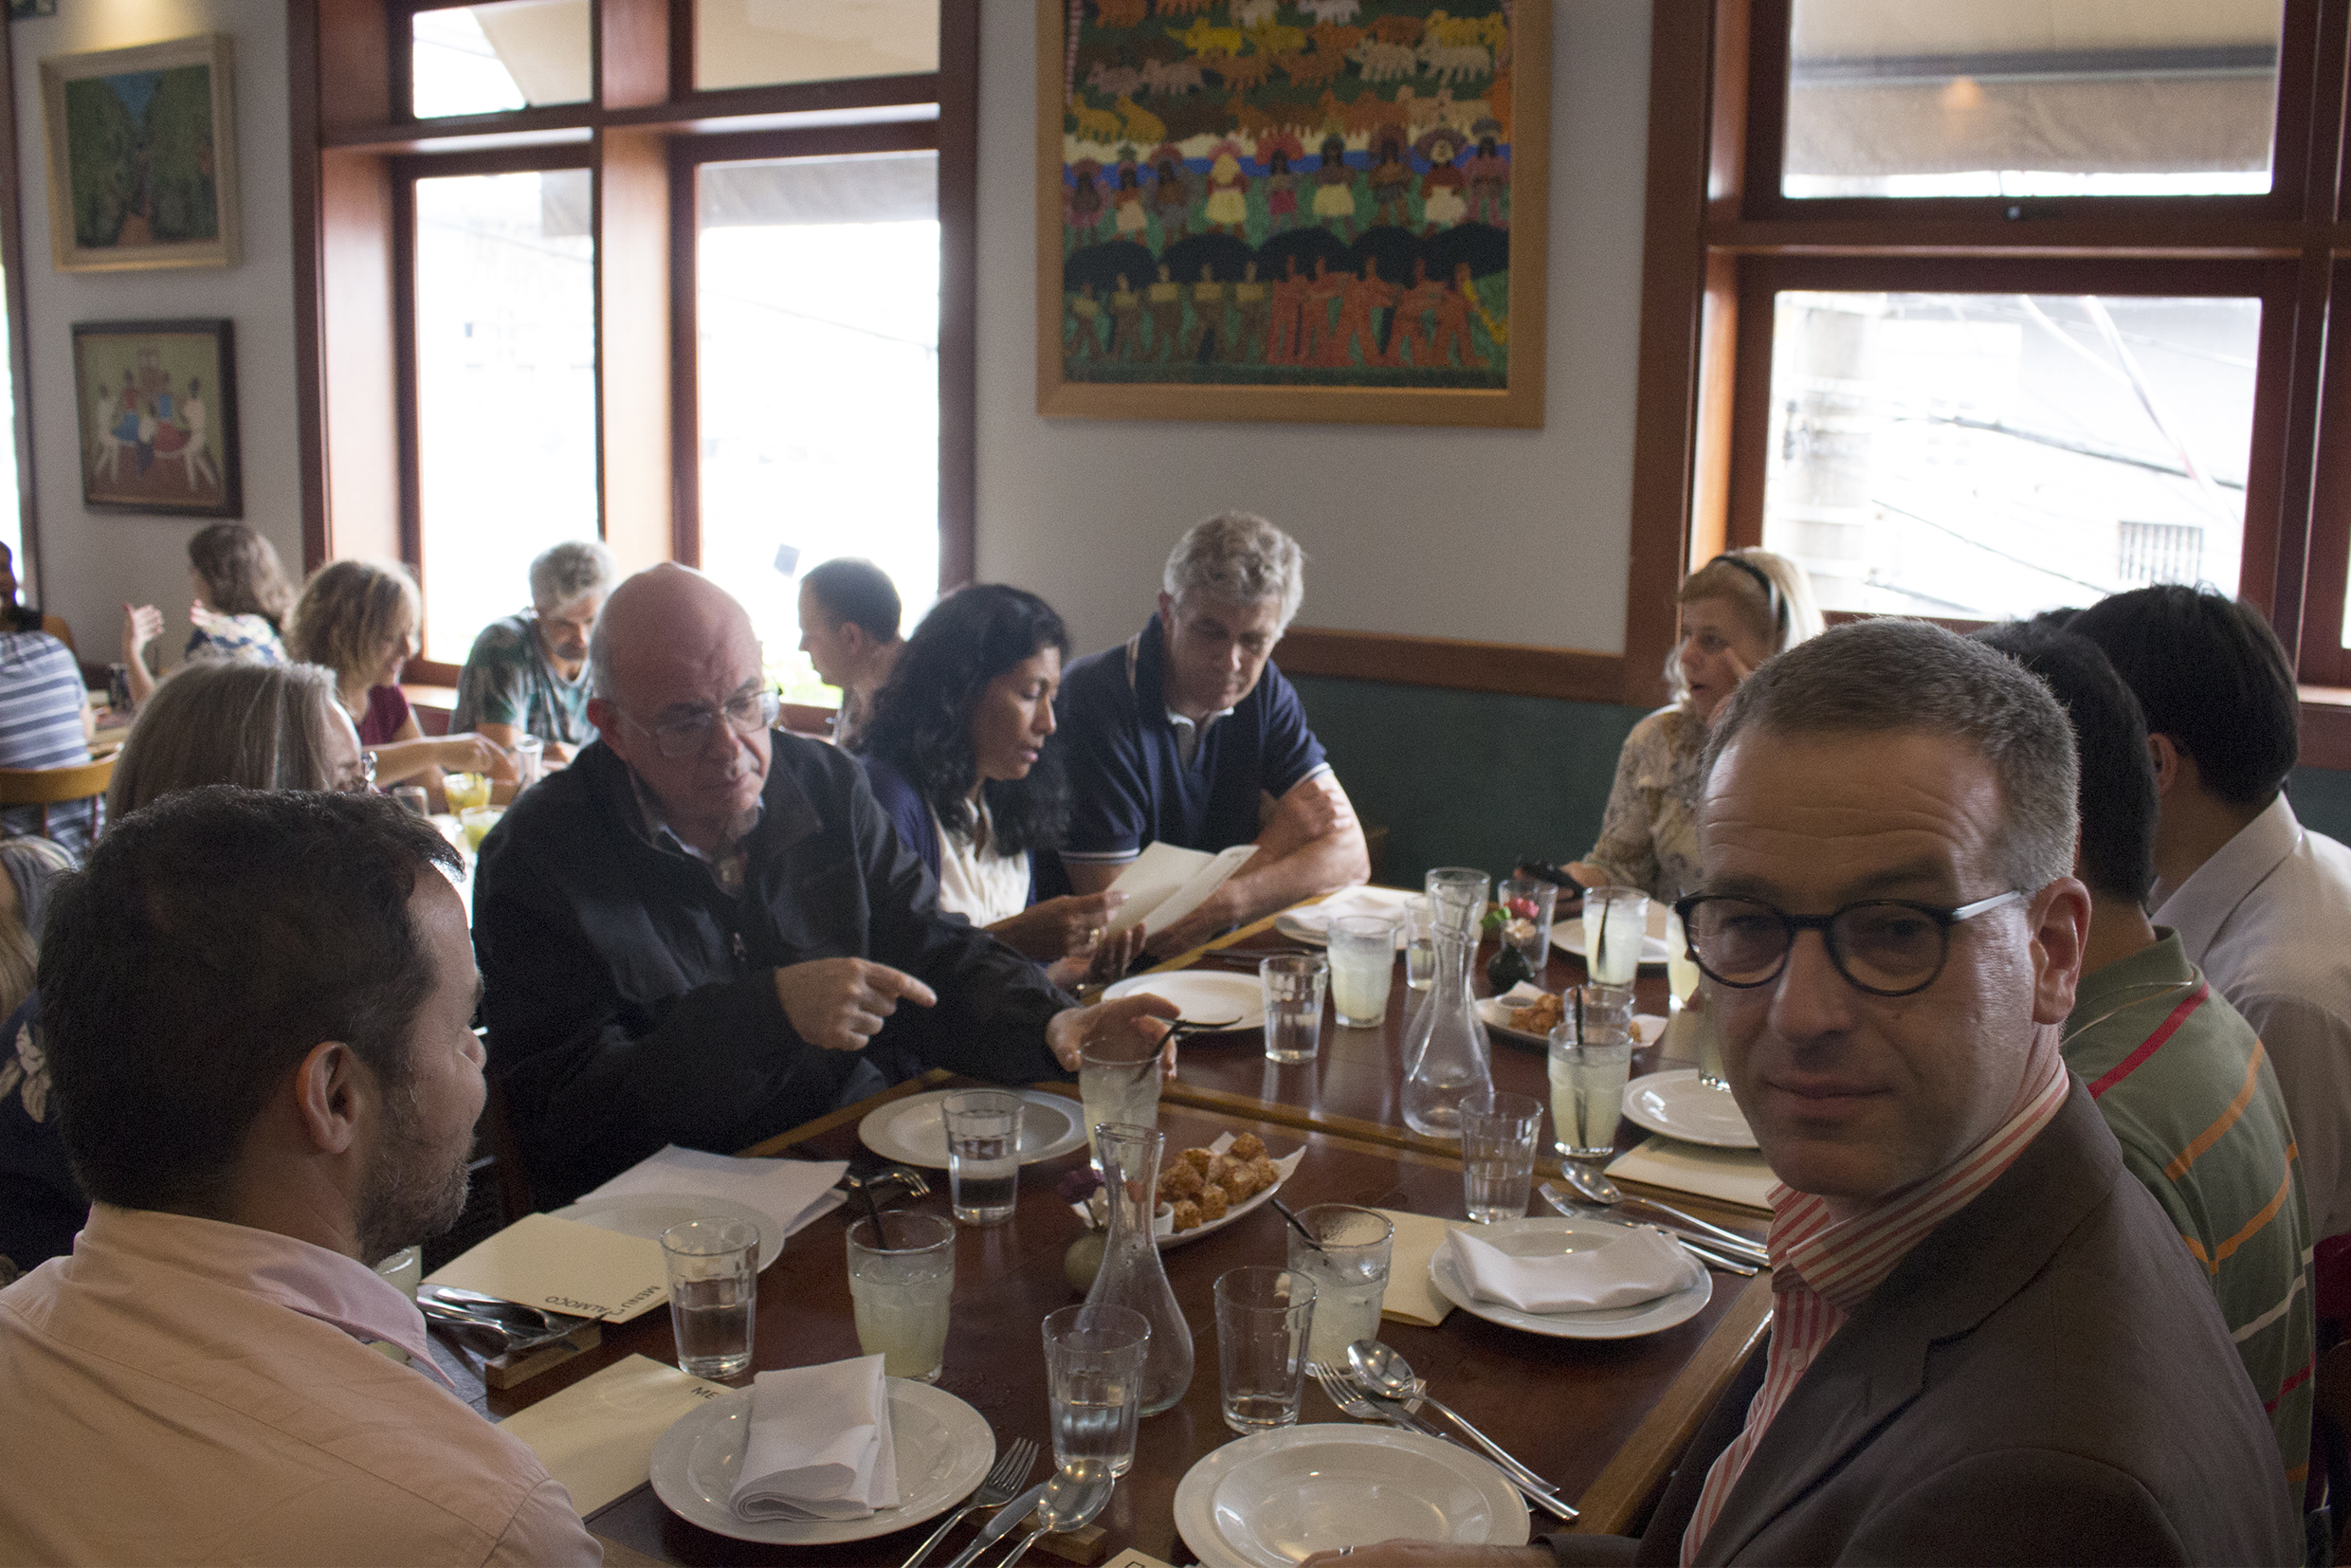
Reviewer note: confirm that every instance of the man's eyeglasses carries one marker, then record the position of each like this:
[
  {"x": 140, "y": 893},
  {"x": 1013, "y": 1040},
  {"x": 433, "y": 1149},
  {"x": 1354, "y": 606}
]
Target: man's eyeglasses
[
  {"x": 359, "y": 779},
  {"x": 1887, "y": 947},
  {"x": 747, "y": 713}
]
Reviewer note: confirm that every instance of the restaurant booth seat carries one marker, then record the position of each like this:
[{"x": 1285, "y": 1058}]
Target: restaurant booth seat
[{"x": 68, "y": 786}]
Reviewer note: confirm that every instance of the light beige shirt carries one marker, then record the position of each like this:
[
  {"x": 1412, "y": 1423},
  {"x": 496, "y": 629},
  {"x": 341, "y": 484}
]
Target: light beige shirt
[
  {"x": 974, "y": 880},
  {"x": 186, "y": 1391}
]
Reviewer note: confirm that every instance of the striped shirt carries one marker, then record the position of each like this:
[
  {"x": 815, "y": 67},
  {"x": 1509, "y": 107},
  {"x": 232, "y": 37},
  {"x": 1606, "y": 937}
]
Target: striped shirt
[
  {"x": 1822, "y": 1268},
  {"x": 2186, "y": 1088},
  {"x": 41, "y": 698}
]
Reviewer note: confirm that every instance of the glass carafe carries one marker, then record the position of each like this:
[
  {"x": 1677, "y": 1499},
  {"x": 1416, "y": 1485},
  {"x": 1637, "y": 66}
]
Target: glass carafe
[
  {"x": 1445, "y": 1054},
  {"x": 1131, "y": 1274}
]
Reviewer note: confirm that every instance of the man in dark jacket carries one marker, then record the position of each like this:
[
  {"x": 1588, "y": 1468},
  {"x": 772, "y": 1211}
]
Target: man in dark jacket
[{"x": 693, "y": 934}]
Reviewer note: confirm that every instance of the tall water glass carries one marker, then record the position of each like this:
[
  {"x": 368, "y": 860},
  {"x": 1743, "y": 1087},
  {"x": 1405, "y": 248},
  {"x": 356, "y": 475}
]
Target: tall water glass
[
  {"x": 1093, "y": 1382},
  {"x": 983, "y": 1154},
  {"x": 1615, "y": 921},
  {"x": 1362, "y": 949},
  {"x": 1117, "y": 1081},
  {"x": 1349, "y": 1271},
  {"x": 1498, "y": 1134},
  {"x": 530, "y": 754},
  {"x": 1290, "y": 985},
  {"x": 714, "y": 1289},
  {"x": 1261, "y": 1316},
  {"x": 1530, "y": 933},
  {"x": 899, "y": 1285},
  {"x": 1589, "y": 1068},
  {"x": 1420, "y": 947}
]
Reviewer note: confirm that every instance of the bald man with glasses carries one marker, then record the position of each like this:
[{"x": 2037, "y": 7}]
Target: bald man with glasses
[{"x": 704, "y": 931}]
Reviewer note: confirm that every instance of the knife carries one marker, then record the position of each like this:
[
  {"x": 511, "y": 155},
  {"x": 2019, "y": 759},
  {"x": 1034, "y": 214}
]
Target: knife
[
  {"x": 1008, "y": 1520},
  {"x": 1537, "y": 1489},
  {"x": 1722, "y": 1255}
]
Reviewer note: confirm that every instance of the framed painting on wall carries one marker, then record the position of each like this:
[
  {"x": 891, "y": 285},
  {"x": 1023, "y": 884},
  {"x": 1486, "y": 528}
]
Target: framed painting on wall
[
  {"x": 158, "y": 402},
  {"x": 142, "y": 156},
  {"x": 1292, "y": 209}
]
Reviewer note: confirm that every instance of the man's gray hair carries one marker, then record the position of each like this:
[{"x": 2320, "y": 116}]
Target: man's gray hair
[
  {"x": 571, "y": 571},
  {"x": 1237, "y": 558},
  {"x": 1887, "y": 676}
]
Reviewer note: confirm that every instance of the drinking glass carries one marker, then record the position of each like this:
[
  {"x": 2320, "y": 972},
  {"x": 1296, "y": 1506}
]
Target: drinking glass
[
  {"x": 1529, "y": 933},
  {"x": 1616, "y": 920},
  {"x": 413, "y": 797},
  {"x": 901, "y": 1286},
  {"x": 1292, "y": 988},
  {"x": 983, "y": 1154},
  {"x": 1117, "y": 1082},
  {"x": 530, "y": 761},
  {"x": 1682, "y": 971},
  {"x": 1420, "y": 948},
  {"x": 463, "y": 789},
  {"x": 1589, "y": 1067},
  {"x": 1350, "y": 1274},
  {"x": 714, "y": 1288},
  {"x": 478, "y": 821},
  {"x": 1498, "y": 1133},
  {"x": 1093, "y": 1382},
  {"x": 1362, "y": 951},
  {"x": 1261, "y": 1316}
]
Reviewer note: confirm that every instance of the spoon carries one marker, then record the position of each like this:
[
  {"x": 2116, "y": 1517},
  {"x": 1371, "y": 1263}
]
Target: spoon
[
  {"x": 1384, "y": 1369},
  {"x": 1078, "y": 1491},
  {"x": 1595, "y": 1188}
]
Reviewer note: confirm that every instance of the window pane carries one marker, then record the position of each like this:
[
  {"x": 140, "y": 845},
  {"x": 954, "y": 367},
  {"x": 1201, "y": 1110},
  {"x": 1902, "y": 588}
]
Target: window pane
[
  {"x": 506, "y": 390},
  {"x": 1992, "y": 455},
  {"x": 1989, "y": 98},
  {"x": 817, "y": 284},
  {"x": 478, "y": 60},
  {"x": 756, "y": 42}
]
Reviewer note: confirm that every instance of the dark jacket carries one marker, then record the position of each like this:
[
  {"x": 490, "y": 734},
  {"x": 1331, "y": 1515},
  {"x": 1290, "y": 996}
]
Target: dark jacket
[
  {"x": 2045, "y": 1379},
  {"x": 631, "y": 1003}
]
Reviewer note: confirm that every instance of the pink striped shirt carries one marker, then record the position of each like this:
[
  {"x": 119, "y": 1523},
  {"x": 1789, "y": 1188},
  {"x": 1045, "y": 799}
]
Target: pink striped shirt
[{"x": 1822, "y": 1270}]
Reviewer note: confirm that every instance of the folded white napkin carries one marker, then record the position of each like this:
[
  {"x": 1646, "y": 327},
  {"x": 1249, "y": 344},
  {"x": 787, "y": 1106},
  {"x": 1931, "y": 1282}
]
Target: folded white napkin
[
  {"x": 820, "y": 1444},
  {"x": 789, "y": 1192},
  {"x": 1637, "y": 1266},
  {"x": 1354, "y": 901}
]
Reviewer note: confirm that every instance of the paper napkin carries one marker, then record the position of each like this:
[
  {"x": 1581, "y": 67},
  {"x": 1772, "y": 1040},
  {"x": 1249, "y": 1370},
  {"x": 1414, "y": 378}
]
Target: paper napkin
[
  {"x": 1390, "y": 902},
  {"x": 1410, "y": 1299},
  {"x": 1732, "y": 1176},
  {"x": 789, "y": 1192},
  {"x": 564, "y": 1267},
  {"x": 597, "y": 1436},
  {"x": 1639, "y": 1266},
  {"x": 820, "y": 1444}
]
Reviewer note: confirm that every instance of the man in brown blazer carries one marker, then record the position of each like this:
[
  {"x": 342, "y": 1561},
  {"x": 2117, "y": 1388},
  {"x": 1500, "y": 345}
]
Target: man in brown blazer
[{"x": 1988, "y": 1344}]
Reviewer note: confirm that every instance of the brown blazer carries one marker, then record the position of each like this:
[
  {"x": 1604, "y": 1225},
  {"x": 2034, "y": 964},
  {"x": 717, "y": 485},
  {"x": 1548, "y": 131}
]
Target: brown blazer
[{"x": 2045, "y": 1379}]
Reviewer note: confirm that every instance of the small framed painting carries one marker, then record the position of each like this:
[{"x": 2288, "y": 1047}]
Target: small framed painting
[
  {"x": 158, "y": 402},
  {"x": 142, "y": 156}
]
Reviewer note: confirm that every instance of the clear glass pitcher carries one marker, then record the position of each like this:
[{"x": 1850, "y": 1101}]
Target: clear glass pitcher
[
  {"x": 1131, "y": 1274},
  {"x": 1446, "y": 1054}
]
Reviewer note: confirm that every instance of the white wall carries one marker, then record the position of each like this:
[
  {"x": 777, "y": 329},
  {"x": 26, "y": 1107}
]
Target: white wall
[
  {"x": 1501, "y": 536},
  {"x": 90, "y": 562}
]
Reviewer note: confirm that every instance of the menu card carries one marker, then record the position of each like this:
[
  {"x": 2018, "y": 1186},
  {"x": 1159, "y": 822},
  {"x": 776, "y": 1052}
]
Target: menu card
[
  {"x": 1734, "y": 1176},
  {"x": 564, "y": 1267},
  {"x": 597, "y": 1436},
  {"x": 791, "y": 1193},
  {"x": 1167, "y": 882},
  {"x": 1411, "y": 1297}
]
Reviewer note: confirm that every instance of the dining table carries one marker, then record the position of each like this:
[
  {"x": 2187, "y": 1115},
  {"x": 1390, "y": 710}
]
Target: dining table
[{"x": 1605, "y": 1420}]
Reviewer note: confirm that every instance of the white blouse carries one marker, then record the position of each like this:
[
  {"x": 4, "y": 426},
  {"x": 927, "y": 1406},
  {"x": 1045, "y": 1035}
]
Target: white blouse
[{"x": 981, "y": 887}]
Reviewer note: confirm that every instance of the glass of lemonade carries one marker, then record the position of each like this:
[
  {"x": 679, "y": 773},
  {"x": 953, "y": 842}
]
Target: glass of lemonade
[
  {"x": 1589, "y": 1068},
  {"x": 901, "y": 1287},
  {"x": 1615, "y": 922},
  {"x": 1348, "y": 1262},
  {"x": 1094, "y": 1378},
  {"x": 1363, "y": 957},
  {"x": 463, "y": 789},
  {"x": 478, "y": 821},
  {"x": 1117, "y": 1082},
  {"x": 713, "y": 1291}
]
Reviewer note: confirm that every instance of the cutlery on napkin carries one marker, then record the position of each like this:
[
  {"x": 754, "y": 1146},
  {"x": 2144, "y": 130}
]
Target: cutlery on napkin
[
  {"x": 564, "y": 1267},
  {"x": 1638, "y": 1266},
  {"x": 820, "y": 1444}
]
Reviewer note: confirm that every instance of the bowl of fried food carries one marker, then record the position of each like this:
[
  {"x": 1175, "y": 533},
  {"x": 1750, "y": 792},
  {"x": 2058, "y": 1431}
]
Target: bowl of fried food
[{"x": 1202, "y": 1189}]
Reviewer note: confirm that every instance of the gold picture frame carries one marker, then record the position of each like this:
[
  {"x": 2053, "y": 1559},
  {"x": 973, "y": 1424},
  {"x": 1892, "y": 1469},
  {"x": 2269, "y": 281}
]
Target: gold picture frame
[
  {"x": 1227, "y": 152},
  {"x": 142, "y": 156}
]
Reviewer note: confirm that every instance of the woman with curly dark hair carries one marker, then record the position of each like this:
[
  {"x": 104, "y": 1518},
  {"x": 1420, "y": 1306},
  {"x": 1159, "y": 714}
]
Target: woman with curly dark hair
[{"x": 957, "y": 752}]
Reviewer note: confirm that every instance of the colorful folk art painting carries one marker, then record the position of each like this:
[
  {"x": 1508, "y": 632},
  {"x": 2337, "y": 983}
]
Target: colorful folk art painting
[
  {"x": 158, "y": 416},
  {"x": 141, "y": 156},
  {"x": 1262, "y": 192}
]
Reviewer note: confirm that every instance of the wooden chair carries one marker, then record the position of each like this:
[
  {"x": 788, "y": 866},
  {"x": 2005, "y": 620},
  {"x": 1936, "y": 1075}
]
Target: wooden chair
[{"x": 47, "y": 787}]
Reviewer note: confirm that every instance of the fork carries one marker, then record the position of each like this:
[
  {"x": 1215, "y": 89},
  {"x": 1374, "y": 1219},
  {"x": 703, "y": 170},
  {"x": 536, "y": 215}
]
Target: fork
[
  {"x": 1004, "y": 1482},
  {"x": 1341, "y": 1391}
]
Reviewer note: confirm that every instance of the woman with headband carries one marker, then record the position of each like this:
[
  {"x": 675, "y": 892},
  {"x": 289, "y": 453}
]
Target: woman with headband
[{"x": 1737, "y": 611}]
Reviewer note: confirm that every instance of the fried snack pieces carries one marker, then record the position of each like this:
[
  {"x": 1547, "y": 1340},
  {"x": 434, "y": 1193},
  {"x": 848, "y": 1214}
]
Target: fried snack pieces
[{"x": 1204, "y": 1186}]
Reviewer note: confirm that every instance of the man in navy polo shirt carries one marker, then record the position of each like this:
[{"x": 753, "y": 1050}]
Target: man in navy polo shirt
[{"x": 1187, "y": 733}]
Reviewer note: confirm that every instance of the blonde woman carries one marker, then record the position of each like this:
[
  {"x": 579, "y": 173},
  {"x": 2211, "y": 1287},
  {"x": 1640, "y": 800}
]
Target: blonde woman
[
  {"x": 1737, "y": 611},
  {"x": 360, "y": 619},
  {"x": 259, "y": 727}
]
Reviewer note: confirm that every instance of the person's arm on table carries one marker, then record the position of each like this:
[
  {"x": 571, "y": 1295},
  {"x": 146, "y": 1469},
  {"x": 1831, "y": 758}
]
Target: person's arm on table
[
  {"x": 141, "y": 624},
  {"x": 1311, "y": 844}
]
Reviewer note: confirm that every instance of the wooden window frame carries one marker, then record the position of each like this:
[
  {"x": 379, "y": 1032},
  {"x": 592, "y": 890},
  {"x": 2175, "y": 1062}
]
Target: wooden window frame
[{"x": 358, "y": 151}]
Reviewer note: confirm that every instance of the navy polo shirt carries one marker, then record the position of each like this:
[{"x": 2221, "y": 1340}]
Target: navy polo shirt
[{"x": 1128, "y": 783}]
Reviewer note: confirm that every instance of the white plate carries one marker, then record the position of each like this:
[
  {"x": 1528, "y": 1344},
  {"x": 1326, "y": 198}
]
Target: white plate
[
  {"x": 1274, "y": 1498},
  {"x": 1495, "y": 1014},
  {"x": 1286, "y": 1165},
  {"x": 1568, "y": 935},
  {"x": 913, "y": 1130},
  {"x": 1677, "y": 1104},
  {"x": 648, "y": 1215},
  {"x": 1205, "y": 995},
  {"x": 944, "y": 1447},
  {"x": 1312, "y": 924},
  {"x": 1528, "y": 1238}
]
